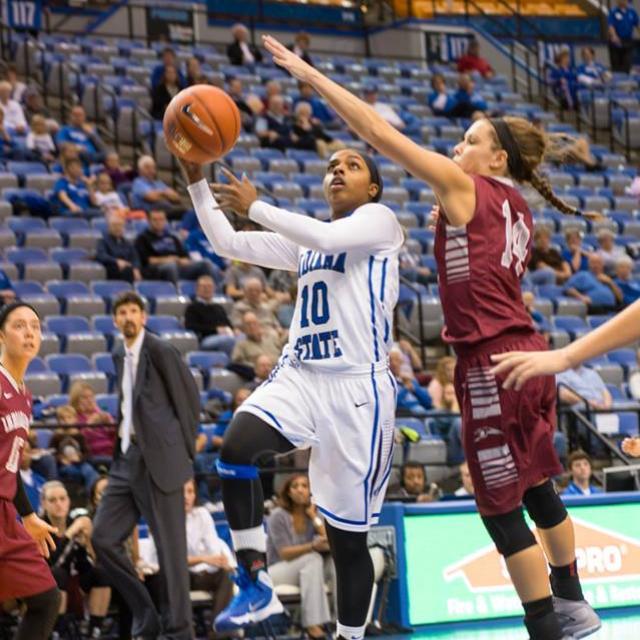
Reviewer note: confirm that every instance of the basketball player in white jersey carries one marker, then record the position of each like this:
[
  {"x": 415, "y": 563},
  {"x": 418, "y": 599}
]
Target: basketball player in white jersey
[{"x": 331, "y": 390}]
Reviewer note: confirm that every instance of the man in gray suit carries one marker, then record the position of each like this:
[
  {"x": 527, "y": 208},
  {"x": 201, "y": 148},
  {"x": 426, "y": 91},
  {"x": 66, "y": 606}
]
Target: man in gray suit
[{"x": 153, "y": 458}]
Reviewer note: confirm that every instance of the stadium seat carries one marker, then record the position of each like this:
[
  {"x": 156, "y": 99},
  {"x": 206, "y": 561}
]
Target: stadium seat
[
  {"x": 574, "y": 326},
  {"x": 628, "y": 424},
  {"x": 76, "y": 335},
  {"x": 225, "y": 380},
  {"x": 109, "y": 289},
  {"x": 158, "y": 324},
  {"x": 108, "y": 402},
  {"x": 43, "y": 384},
  {"x": 72, "y": 367}
]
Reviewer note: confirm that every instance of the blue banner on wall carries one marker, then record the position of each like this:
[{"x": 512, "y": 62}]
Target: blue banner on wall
[{"x": 24, "y": 14}]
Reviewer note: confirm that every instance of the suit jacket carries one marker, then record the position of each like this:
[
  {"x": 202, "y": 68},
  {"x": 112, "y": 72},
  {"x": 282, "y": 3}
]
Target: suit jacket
[
  {"x": 166, "y": 411},
  {"x": 234, "y": 53}
]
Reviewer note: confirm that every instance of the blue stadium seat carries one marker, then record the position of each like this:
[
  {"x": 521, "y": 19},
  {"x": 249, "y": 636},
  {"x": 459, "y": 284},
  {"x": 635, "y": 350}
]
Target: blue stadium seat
[
  {"x": 104, "y": 362},
  {"x": 628, "y": 423},
  {"x": 37, "y": 365},
  {"x": 625, "y": 357},
  {"x": 65, "y": 226},
  {"x": 68, "y": 256},
  {"x": 550, "y": 291},
  {"x": 65, "y": 364},
  {"x": 616, "y": 392},
  {"x": 64, "y": 325},
  {"x": 22, "y": 225},
  {"x": 108, "y": 402},
  {"x": 23, "y": 169},
  {"x": 158, "y": 324},
  {"x": 187, "y": 288},
  {"x": 109, "y": 289},
  {"x": 595, "y": 321},
  {"x": 28, "y": 288},
  {"x": 61, "y": 289},
  {"x": 152, "y": 288},
  {"x": 413, "y": 423},
  {"x": 572, "y": 325},
  {"x": 205, "y": 360},
  {"x": 43, "y": 437}
]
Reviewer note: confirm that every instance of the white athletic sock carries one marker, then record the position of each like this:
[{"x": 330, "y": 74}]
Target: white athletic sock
[
  {"x": 254, "y": 538},
  {"x": 350, "y": 633}
]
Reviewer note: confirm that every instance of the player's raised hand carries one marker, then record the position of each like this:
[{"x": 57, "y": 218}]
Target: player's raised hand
[
  {"x": 236, "y": 196},
  {"x": 286, "y": 59},
  {"x": 631, "y": 446},
  {"x": 41, "y": 532},
  {"x": 523, "y": 365}
]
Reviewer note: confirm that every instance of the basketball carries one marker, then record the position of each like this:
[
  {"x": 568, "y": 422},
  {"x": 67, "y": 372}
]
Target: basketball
[{"x": 201, "y": 124}]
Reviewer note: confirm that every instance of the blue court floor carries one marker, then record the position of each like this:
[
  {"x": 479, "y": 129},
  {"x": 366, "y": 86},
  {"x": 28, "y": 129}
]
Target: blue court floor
[{"x": 622, "y": 625}]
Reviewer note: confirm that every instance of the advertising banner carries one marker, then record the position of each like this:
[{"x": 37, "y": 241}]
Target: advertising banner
[
  {"x": 455, "y": 573},
  {"x": 170, "y": 24}
]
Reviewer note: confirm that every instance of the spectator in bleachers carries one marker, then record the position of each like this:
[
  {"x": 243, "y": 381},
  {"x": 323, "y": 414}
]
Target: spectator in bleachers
[
  {"x": 68, "y": 151},
  {"x": 466, "y": 100},
  {"x": 300, "y": 46},
  {"x": 14, "y": 118},
  {"x": 450, "y": 426},
  {"x": 629, "y": 286},
  {"x": 34, "y": 106},
  {"x": 563, "y": 80},
  {"x": 149, "y": 192},
  {"x": 210, "y": 560},
  {"x": 199, "y": 248},
  {"x": 319, "y": 108},
  {"x": 608, "y": 250},
  {"x": 257, "y": 341},
  {"x": 273, "y": 128},
  {"x": 473, "y": 62},
  {"x": 72, "y": 466},
  {"x": 7, "y": 294},
  {"x": 169, "y": 59},
  {"x": 255, "y": 301},
  {"x": 194, "y": 72},
  {"x": 107, "y": 198},
  {"x": 80, "y": 133},
  {"x": 444, "y": 374},
  {"x": 308, "y": 133},
  {"x": 6, "y": 141},
  {"x": 413, "y": 485},
  {"x": 39, "y": 140},
  {"x": 411, "y": 398},
  {"x": 282, "y": 283},
  {"x": 162, "y": 254},
  {"x": 119, "y": 174},
  {"x": 18, "y": 87},
  {"x": 247, "y": 115},
  {"x": 298, "y": 552},
  {"x": 273, "y": 88},
  {"x": 66, "y": 415},
  {"x": 75, "y": 192},
  {"x": 208, "y": 319},
  {"x": 224, "y": 419},
  {"x": 575, "y": 254},
  {"x": 117, "y": 253},
  {"x": 546, "y": 265},
  {"x": 101, "y": 438},
  {"x": 591, "y": 73},
  {"x": 579, "y": 466},
  {"x": 539, "y": 321},
  {"x": 263, "y": 368},
  {"x": 467, "y": 483},
  {"x": 32, "y": 480},
  {"x": 237, "y": 274},
  {"x": 634, "y": 380},
  {"x": 594, "y": 287},
  {"x": 74, "y": 556},
  {"x": 440, "y": 99},
  {"x": 164, "y": 92},
  {"x": 623, "y": 22},
  {"x": 241, "y": 51},
  {"x": 585, "y": 382},
  {"x": 370, "y": 96}
]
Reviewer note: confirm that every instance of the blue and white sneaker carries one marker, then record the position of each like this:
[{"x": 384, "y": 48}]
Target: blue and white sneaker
[{"x": 255, "y": 602}]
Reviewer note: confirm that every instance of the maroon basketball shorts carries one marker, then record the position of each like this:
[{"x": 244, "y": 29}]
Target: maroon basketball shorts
[
  {"x": 507, "y": 435},
  {"x": 23, "y": 571}
]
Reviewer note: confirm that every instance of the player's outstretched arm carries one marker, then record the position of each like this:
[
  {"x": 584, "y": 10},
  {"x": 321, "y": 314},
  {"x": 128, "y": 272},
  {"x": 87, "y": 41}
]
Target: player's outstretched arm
[
  {"x": 261, "y": 248},
  {"x": 616, "y": 333},
  {"x": 374, "y": 227},
  {"x": 454, "y": 188}
]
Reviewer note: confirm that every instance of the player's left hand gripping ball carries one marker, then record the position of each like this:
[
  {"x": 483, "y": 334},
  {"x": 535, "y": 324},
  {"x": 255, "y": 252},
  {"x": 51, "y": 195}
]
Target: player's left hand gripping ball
[{"x": 236, "y": 196}]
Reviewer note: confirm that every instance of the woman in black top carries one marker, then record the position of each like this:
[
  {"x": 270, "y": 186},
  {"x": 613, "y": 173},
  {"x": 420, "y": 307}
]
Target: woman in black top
[{"x": 162, "y": 95}]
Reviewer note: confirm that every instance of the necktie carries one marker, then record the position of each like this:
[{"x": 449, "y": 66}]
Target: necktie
[{"x": 127, "y": 396}]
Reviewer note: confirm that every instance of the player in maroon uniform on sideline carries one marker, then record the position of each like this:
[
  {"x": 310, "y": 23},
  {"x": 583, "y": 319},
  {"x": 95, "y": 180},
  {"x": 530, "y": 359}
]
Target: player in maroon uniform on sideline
[
  {"x": 483, "y": 245},
  {"x": 24, "y": 574}
]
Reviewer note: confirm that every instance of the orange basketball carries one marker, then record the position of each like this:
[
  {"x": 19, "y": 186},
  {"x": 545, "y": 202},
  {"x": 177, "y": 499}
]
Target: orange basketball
[{"x": 201, "y": 124}]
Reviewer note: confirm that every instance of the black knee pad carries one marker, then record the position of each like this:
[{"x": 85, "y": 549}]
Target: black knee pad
[
  {"x": 544, "y": 505},
  {"x": 47, "y": 601},
  {"x": 509, "y": 532}
]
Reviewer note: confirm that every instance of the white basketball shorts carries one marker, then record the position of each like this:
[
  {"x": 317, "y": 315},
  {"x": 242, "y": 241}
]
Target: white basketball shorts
[{"x": 348, "y": 421}]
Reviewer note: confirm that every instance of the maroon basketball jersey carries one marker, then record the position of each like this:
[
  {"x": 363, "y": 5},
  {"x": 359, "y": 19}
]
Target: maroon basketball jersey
[
  {"x": 15, "y": 417},
  {"x": 480, "y": 266}
]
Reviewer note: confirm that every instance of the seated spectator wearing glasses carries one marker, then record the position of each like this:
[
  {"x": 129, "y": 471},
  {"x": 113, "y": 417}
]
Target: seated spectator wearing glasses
[
  {"x": 579, "y": 466},
  {"x": 591, "y": 73},
  {"x": 149, "y": 192},
  {"x": 298, "y": 552},
  {"x": 241, "y": 51},
  {"x": 74, "y": 192},
  {"x": 163, "y": 256},
  {"x": 208, "y": 319},
  {"x": 117, "y": 254}
]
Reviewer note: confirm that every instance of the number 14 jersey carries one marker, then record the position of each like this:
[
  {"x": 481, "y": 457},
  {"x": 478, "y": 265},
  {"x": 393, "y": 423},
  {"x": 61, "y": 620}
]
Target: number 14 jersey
[{"x": 480, "y": 265}]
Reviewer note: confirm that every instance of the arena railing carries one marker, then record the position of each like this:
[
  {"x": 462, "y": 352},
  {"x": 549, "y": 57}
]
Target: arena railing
[
  {"x": 416, "y": 339},
  {"x": 613, "y": 103}
]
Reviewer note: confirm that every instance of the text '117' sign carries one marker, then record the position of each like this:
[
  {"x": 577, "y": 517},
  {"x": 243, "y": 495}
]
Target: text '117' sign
[{"x": 24, "y": 14}]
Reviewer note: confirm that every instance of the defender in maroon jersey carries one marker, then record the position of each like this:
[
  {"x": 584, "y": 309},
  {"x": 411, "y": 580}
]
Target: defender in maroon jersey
[
  {"x": 483, "y": 241},
  {"x": 24, "y": 574}
]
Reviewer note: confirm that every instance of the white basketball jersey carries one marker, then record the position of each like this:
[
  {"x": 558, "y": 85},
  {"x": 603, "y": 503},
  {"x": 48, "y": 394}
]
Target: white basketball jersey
[{"x": 344, "y": 310}]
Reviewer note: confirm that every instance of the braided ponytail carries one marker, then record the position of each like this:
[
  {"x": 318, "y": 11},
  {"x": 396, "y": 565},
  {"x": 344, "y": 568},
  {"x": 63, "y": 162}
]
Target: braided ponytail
[
  {"x": 533, "y": 145},
  {"x": 542, "y": 185}
]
